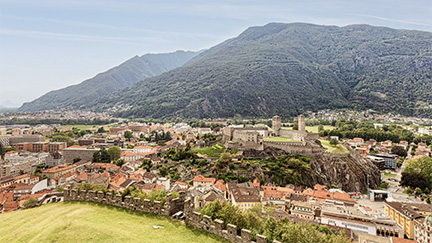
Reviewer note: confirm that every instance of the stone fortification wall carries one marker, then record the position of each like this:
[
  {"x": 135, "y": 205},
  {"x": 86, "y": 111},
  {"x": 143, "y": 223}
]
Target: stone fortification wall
[
  {"x": 294, "y": 147},
  {"x": 171, "y": 207}
]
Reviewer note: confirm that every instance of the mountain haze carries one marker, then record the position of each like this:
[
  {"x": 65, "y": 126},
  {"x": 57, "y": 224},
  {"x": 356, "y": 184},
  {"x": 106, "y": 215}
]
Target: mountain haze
[
  {"x": 287, "y": 69},
  {"x": 124, "y": 75}
]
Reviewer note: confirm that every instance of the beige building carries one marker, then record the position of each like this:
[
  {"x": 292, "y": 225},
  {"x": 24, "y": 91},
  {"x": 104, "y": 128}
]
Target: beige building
[
  {"x": 59, "y": 171},
  {"x": 201, "y": 180},
  {"x": 408, "y": 215},
  {"x": 245, "y": 197}
]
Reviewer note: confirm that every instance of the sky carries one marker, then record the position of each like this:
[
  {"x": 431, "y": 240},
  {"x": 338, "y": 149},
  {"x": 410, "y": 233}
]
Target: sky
[{"x": 50, "y": 44}]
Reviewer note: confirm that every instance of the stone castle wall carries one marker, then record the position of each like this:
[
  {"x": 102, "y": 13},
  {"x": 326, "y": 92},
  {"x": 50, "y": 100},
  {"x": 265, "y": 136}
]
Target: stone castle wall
[
  {"x": 294, "y": 147},
  {"x": 171, "y": 207}
]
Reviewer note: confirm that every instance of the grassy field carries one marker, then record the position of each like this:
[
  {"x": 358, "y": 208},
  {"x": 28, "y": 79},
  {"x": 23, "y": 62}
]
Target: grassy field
[
  {"x": 88, "y": 222},
  {"x": 88, "y": 127},
  {"x": 280, "y": 139},
  {"x": 313, "y": 129},
  {"x": 338, "y": 149},
  {"x": 389, "y": 175},
  {"x": 211, "y": 152},
  {"x": 83, "y": 127}
]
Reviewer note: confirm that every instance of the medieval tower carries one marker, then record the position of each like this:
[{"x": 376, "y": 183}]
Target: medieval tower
[
  {"x": 301, "y": 123},
  {"x": 276, "y": 125}
]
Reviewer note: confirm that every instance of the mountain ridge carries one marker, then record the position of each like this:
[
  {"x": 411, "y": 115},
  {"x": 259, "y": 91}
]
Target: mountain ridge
[
  {"x": 287, "y": 69},
  {"x": 126, "y": 74}
]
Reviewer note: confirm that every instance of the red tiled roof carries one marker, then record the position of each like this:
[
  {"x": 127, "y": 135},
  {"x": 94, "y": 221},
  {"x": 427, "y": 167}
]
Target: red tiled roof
[
  {"x": 201, "y": 178},
  {"x": 21, "y": 176},
  {"x": 180, "y": 183},
  {"x": 219, "y": 184}
]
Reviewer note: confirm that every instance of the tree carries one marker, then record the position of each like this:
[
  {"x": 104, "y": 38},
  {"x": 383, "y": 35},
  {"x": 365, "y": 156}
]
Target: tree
[
  {"x": 399, "y": 150},
  {"x": 128, "y": 135},
  {"x": 62, "y": 138},
  {"x": 30, "y": 203},
  {"x": 101, "y": 156},
  {"x": 146, "y": 164},
  {"x": 101, "y": 130},
  {"x": 333, "y": 142},
  {"x": 421, "y": 167},
  {"x": 114, "y": 152},
  {"x": 295, "y": 126},
  {"x": 120, "y": 162}
]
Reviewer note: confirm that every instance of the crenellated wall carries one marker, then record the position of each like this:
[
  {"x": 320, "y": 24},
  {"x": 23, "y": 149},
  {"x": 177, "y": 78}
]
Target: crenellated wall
[{"x": 171, "y": 207}]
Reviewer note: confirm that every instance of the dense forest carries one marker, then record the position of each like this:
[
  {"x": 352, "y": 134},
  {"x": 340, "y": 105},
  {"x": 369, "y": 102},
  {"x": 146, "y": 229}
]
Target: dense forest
[{"x": 287, "y": 69}]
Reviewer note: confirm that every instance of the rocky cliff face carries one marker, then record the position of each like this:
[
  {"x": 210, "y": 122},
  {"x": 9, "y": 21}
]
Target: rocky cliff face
[{"x": 350, "y": 172}]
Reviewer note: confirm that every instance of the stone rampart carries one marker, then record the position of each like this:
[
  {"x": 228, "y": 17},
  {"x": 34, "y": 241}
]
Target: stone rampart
[{"x": 171, "y": 207}]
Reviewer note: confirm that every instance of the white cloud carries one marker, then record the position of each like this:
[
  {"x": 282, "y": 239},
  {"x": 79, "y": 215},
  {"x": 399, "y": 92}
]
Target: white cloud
[{"x": 394, "y": 20}]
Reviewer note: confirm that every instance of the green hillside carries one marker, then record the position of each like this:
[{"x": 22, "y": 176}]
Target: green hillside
[
  {"x": 287, "y": 69},
  {"x": 87, "y": 222},
  {"x": 122, "y": 76}
]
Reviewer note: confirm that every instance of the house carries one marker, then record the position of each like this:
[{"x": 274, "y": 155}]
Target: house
[
  {"x": 180, "y": 185},
  {"x": 127, "y": 183},
  {"x": 117, "y": 181},
  {"x": 210, "y": 197},
  {"x": 201, "y": 180},
  {"x": 165, "y": 182},
  {"x": 244, "y": 196},
  {"x": 149, "y": 177},
  {"x": 59, "y": 170},
  {"x": 22, "y": 179}
]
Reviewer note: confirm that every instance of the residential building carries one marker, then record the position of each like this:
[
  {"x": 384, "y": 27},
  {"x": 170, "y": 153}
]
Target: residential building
[
  {"x": 59, "y": 171},
  {"x": 201, "y": 180},
  {"x": 423, "y": 229},
  {"x": 406, "y": 215}
]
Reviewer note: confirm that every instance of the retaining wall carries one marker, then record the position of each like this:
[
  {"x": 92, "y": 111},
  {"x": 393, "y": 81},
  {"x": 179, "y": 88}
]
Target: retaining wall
[{"x": 171, "y": 207}]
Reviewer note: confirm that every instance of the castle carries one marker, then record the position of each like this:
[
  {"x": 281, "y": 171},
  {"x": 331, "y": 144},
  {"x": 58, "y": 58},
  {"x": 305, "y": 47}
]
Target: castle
[{"x": 258, "y": 138}]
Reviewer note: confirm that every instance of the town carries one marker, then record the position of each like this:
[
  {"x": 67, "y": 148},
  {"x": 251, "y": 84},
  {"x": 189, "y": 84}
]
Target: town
[{"x": 365, "y": 177}]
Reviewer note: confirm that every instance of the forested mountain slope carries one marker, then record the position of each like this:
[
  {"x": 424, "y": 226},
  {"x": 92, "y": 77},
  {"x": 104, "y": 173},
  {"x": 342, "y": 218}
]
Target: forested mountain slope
[
  {"x": 124, "y": 75},
  {"x": 287, "y": 69}
]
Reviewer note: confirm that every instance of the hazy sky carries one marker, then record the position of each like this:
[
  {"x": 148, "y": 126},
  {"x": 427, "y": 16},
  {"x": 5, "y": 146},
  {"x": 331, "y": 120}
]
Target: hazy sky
[{"x": 50, "y": 44}]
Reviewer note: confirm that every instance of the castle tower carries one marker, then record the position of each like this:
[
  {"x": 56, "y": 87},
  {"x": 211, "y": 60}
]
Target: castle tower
[
  {"x": 301, "y": 123},
  {"x": 276, "y": 125}
]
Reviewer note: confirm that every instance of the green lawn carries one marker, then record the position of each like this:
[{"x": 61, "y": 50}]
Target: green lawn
[
  {"x": 211, "y": 152},
  {"x": 89, "y": 222},
  {"x": 280, "y": 139},
  {"x": 389, "y": 175},
  {"x": 313, "y": 129},
  {"x": 338, "y": 149},
  {"x": 83, "y": 127}
]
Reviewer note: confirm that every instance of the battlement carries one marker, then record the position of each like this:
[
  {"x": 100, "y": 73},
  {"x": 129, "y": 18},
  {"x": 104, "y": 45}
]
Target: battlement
[{"x": 171, "y": 207}]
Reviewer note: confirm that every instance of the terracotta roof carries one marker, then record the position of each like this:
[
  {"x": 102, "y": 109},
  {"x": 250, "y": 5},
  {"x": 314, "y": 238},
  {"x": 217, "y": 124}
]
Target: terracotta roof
[
  {"x": 220, "y": 184},
  {"x": 201, "y": 178},
  {"x": 180, "y": 183},
  {"x": 159, "y": 187},
  {"x": 83, "y": 176},
  {"x": 58, "y": 168},
  {"x": 22, "y": 176},
  {"x": 342, "y": 197}
]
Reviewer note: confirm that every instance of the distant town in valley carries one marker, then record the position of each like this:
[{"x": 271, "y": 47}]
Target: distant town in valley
[{"x": 361, "y": 175}]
